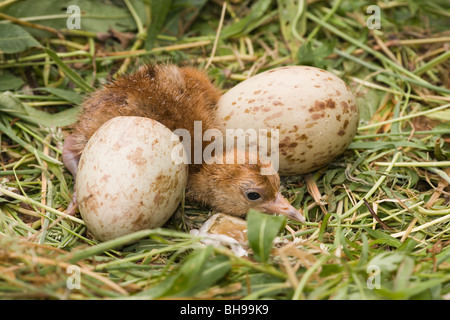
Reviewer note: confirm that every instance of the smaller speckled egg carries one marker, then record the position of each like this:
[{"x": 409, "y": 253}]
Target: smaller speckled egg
[
  {"x": 126, "y": 179},
  {"x": 314, "y": 112}
]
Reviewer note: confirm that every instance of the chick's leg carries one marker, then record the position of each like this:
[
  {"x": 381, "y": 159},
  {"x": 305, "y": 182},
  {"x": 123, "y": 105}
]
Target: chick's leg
[{"x": 71, "y": 157}]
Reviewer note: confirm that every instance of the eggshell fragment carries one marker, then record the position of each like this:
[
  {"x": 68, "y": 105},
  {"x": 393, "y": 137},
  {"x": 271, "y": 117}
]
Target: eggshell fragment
[
  {"x": 233, "y": 227},
  {"x": 315, "y": 112},
  {"x": 225, "y": 230},
  {"x": 126, "y": 179}
]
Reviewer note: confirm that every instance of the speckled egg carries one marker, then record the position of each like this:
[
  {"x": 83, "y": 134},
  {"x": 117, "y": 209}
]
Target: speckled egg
[
  {"x": 126, "y": 179},
  {"x": 314, "y": 111}
]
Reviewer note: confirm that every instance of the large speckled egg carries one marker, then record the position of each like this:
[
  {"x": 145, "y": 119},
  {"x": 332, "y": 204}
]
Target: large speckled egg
[
  {"x": 126, "y": 179},
  {"x": 313, "y": 110}
]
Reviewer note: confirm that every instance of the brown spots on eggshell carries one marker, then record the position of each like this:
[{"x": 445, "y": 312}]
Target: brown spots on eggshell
[
  {"x": 321, "y": 106},
  {"x": 90, "y": 201},
  {"x": 318, "y": 106},
  {"x": 285, "y": 142},
  {"x": 316, "y": 116},
  {"x": 330, "y": 104},
  {"x": 278, "y": 103},
  {"x": 274, "y": 116},
  {"x": 105, "y": 178},
  {"x": 157, "y": 199},
  {"x": 137, "y": 158},
  {"x": 116, "y": 146},
  {"x": 346, "y": 122}
]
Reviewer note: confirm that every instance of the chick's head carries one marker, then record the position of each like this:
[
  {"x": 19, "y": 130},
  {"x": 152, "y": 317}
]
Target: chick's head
[{"x": 237, "y": 181}]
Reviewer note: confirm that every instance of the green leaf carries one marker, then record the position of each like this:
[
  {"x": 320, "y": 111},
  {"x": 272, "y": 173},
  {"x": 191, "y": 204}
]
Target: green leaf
[
  {"x": 72, "y": 75},
  {"x": 96, "y": 16},
  {"x": 10, "y": 82},
  {"x": 404, "y": 273},
  {"x": 408, "y": 245},
  {"x": 443, "y": 256},
  {"x": 200, "y": 270},
  {"x": 14, "y": 38},
  {"x": 181, "y": 15},
  {"x": 323, "y": 226},
  {"x": 68, "y": 95},
  {"x": 262, "y": 230},
  {"x": 368, "y": 104},
  {"x": 159, "y": 9},
  {"x": 382, "y": 237},
  {"x": 291, "y": 20},
  {"x": 443, "y": 128},
  {"x": 13, "y": 106},
  {"x": 387, "y": 262},
  {"x": 417, "y": 289},
  {"x": 440, "y": 115},
  {"x": 364, "y": 251},
  {"x": 307, "y": 55},
  {"x": 245, "y": 25},
  {"x": 189, "y": 273},
  {"x": 213, "y": 271}
]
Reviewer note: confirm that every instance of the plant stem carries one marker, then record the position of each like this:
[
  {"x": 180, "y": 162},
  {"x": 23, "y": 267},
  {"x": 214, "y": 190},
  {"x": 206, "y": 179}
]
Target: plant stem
[
  {"x": 374, "y": 188},
  {"x": 38, "y": 204}
]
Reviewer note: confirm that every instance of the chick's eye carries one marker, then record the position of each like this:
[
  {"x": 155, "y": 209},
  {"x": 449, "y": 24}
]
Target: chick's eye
[{"x": 253, "y": 195}]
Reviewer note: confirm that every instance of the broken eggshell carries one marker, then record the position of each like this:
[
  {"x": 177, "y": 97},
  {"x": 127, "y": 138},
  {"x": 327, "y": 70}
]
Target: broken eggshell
[
  {"x": 314, "y": 111},
  {"x": 126, "y": 179},
  {"x": 225, "y": 230}
]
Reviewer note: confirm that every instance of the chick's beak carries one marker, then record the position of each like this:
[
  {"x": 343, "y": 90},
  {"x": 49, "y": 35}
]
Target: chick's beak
[{"x": 281, "y": 205}]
